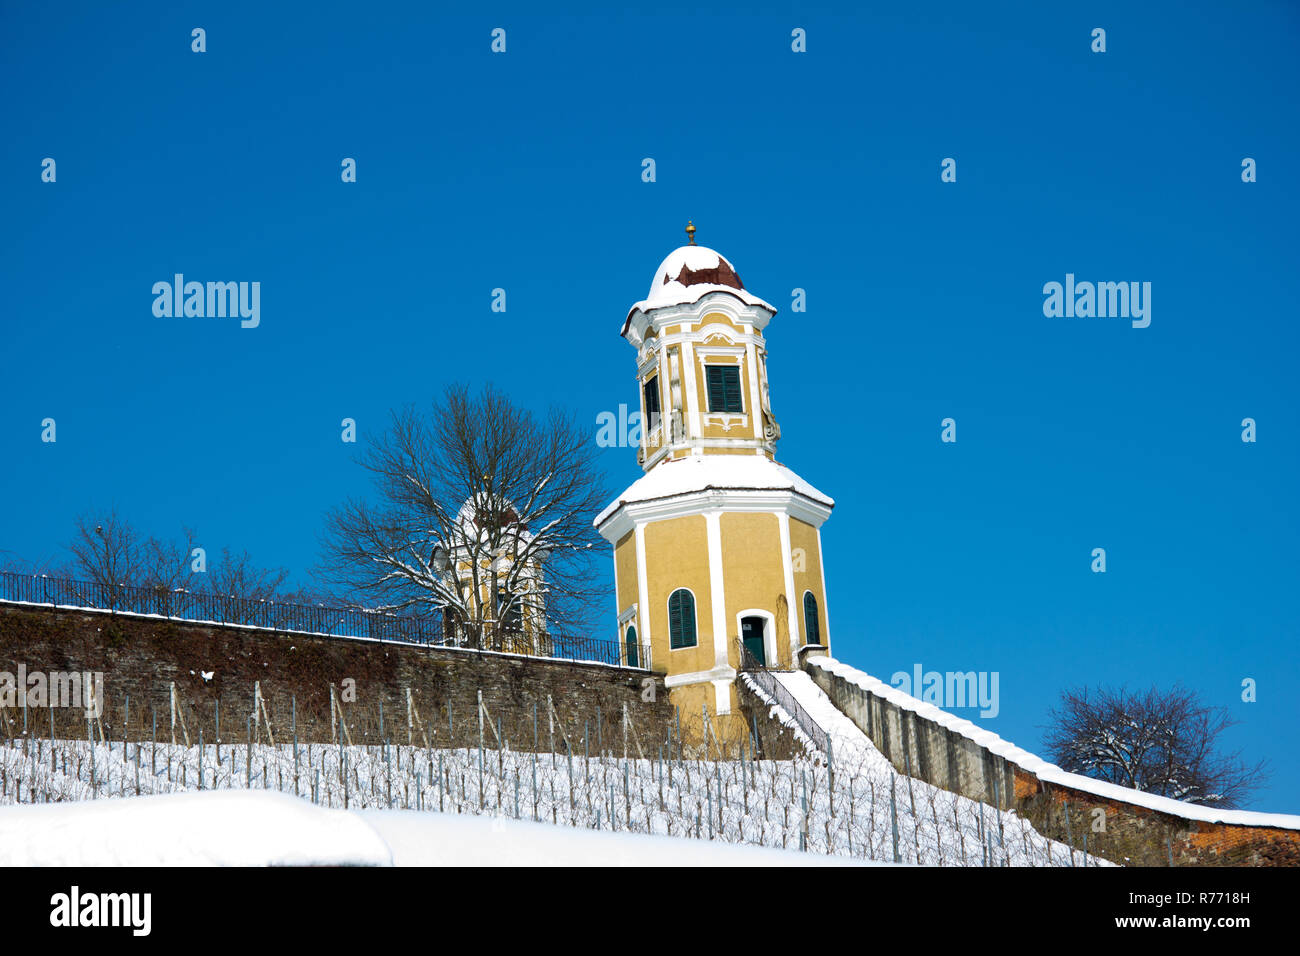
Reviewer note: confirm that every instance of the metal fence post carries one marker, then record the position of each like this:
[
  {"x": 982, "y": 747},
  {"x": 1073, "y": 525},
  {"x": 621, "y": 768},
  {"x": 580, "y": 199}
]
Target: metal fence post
[{"x": 893, "y": 815}]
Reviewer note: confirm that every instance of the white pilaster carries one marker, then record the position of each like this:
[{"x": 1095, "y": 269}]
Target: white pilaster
[
  {"x": 717, "y": 592},
  {"x": 791, "y": 598},
  {"x": 642, "y": 587},
  {"x": 755, "y": 397},
  {"x": 665, "y": 396},
  {"x": 691, "y": 413},
  {"x": 826, "y": 610}
]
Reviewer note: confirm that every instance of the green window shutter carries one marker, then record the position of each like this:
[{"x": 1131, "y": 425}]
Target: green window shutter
[
  {"x": 812, "y": 627},
  {"x": 716, "y": 391},
  {"x": 681, "y": 619},
  {"x": 723, "y": 384},
  {"x": 732, "y": 382}
]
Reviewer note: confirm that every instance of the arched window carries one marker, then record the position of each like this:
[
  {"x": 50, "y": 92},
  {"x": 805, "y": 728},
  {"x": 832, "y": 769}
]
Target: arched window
[
  {"x": 681, "y": 619},
  {"x": 633, "y": 651},
  {"x": 811, "y": 626}
]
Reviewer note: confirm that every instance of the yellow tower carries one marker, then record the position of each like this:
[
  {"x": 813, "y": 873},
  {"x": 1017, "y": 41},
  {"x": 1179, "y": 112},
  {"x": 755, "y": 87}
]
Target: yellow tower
[{"x": 717, "y": 547}]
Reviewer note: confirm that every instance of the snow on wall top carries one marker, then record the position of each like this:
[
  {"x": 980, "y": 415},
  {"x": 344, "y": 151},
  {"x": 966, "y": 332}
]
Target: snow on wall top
[
  {"x": 1050, "y": 772},
  {"x": 696, "y": 473},
  {"x": 688, "y": 275}
]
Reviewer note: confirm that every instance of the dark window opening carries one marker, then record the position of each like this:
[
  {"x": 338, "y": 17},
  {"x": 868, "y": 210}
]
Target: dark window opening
[{"x": 651, "y": 391}]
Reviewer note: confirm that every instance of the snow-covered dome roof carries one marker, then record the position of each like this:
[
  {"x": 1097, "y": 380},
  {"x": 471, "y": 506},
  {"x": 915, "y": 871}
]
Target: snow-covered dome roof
[
  {"x": 689, "y": 274},
  {"x": 688, "y": 266}
]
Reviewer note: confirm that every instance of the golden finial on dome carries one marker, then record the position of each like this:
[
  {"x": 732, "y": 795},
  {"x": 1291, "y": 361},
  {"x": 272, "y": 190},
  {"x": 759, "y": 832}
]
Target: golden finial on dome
[{"x": 690, "y": 232}]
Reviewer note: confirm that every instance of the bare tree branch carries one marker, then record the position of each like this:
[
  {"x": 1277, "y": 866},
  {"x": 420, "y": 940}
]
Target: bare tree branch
[
  {"x": 107, "y": 551},
  {"x": 234, "y": 578},
  {"x": 482, "y": 512},
  {"x": 1159, "y": 741}
]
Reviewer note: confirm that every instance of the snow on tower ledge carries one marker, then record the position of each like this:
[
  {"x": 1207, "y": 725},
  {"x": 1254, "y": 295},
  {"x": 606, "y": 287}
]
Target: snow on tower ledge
[
  {"x": 697, "y": 473},
  {"x": 688, "y": 275}
]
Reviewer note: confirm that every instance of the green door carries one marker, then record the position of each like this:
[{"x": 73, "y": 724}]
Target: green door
[
  {"x": 633, "y": 651},
  {"x": 751, "y": 635}
]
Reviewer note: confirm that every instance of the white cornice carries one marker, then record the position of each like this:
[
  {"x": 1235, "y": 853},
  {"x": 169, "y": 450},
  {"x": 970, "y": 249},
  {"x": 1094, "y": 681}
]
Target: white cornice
[
  {"x": 630, "y": 515},
  {"x": 694, "y": 312}
]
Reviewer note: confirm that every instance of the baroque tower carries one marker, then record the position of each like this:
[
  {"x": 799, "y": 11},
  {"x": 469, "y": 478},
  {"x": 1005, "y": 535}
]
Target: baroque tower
[{"x": 717, "y": 547}]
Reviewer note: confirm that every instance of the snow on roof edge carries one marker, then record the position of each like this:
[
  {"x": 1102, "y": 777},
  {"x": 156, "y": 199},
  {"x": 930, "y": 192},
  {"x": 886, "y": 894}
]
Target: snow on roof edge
[
  {"x": 1050, "y": 772},
  {"x": 752, "y": 473},
  {"x": 613, "y": 506},
  {"x": 701, "y": 289}
]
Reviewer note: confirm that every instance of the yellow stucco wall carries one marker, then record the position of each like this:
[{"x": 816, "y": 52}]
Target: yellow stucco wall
[
  {"x": 677, "y": 556},
  {"x": 804, "y": 536},
  {"x": 625, "y": 569},
  {"x": 754, "y": 579},
  {"x": 755, "y": 575},
  {"x": 720, "y": 318},
  {"x": 626, "y": 578},
  {"x": 730, "y": 732}
]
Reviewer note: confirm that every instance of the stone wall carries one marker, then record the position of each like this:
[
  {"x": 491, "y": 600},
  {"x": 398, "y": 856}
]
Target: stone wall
[
  {"x": 141, "y": 657},
  {"x": 1134, "y": 835},
  {"x": 1113, "y": 829},
  {"x": 921, "y": 748}
]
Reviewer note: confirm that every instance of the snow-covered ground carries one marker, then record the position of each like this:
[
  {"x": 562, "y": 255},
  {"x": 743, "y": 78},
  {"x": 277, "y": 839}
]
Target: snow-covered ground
[
  {"x": 851, "y": 746},
  {"x": 264, "y": 828},
  {"x": 215, "y": 828},
  {"x": 858, "y": 808},
  {"x": 445, "y": 839}
]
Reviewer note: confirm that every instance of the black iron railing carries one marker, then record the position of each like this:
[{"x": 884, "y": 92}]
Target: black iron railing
[
  {"x": 185, "y": 605},
  {"x": 773, "y": 688}
]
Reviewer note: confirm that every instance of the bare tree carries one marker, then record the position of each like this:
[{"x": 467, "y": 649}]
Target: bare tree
[
  {"x": 483, "y": 512},
  {"x": 109, "y": 554},
  {"x": 166, "y": 571},
  {"x": 1164, "y": 742},
  {"x": 11, "y": 563},
  {"x": 107, "y": 551},
  {"x": 234, "y": 579}
]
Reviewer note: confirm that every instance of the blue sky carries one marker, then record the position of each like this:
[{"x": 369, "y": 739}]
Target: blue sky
[{"x": 817, "y": 170}]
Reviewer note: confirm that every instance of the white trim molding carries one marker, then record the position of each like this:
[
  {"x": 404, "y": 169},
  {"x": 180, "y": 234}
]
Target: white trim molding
[
  {"x": 722, "y": 697},
  {"x": 642, "y": 585},
  {"x": 826, "y": 602},
  {"x": 727, "y": 421},
  {"x": 700, "y": 677},
  {"x": 787, "y": 568},
  {"x": 769, "y": 631},
  {"x": 717, "y": 586},
  {"x": 740, "y": 313},
  {"x": 636, "y": 514}
]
